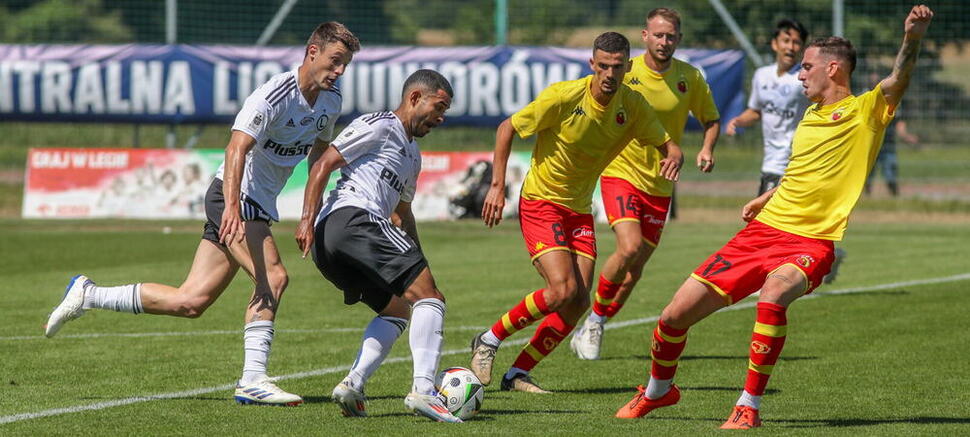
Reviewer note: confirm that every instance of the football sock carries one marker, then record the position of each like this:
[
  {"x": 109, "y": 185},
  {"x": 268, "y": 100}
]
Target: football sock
[
  {"x": 124, "y": 298},
  {"x": 593, "y": 317},
  {"x": 668, "y": 344},
  {"x": 530, "y": 309},
  {"x": 257, "y": 341},
  {"x": 490, "y": 339},
  {"x": 605, "y": 293},
  {"x": 750, "y": 400},
  {"x": 767, "y": 340},
  {"x": 548, "y": 335},
  {"x": 613, "y": 308},
  {"x": 379, "y": 337},
  {"x": 427, "y": 326}
]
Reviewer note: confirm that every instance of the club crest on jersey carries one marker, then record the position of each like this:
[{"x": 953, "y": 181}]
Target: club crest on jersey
[
  {"x": 682, "y": 86},
  {"x": 306, "y": 120},
  {"x": 837, "y": 114},
  {"x": 804, "y": 260},
  {"x": 620, "y": 117},
  {"x": 258, "y": 120},
  {"x": 322, "y": 121}
]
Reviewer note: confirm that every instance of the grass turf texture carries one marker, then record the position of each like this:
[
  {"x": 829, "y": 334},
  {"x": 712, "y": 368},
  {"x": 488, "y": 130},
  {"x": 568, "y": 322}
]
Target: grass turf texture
[{"x": 884, "y": 362}]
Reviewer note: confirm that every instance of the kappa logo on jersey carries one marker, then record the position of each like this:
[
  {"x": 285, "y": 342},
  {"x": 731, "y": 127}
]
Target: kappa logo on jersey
[
  {"x": 635, "y": 81},
  {"x": 306, "y": 120},
  {"x": 759, "y": 347},
  {"x": 540, "y": 245},
  {"x": 285, "y": 150},
  {"x": 682, "y": 86},
  {"x": 322, "y": 121},
  {"x": 620, "y": 117},
  {"x": 391, "y": 178},
  {"x": 290, "y": 123},
  {"x": 579, "y": 111}
]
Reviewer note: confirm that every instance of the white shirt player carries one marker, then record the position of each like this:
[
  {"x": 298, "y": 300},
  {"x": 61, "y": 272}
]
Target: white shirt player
[
  {"x": 285, "y": 126},
  {"x": 782, "y": 104},
  {"x": 382, "y": 166}
]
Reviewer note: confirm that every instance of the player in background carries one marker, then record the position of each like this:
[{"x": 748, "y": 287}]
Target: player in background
[
  {"x": 356, "y": 246},
  {"x": 787, "y": 245},
  {"x": 777, "y": 101},
  {"x": 635, "y": 195},
  {"x": 581, "y": 125},
  {"x": 285, "y": 120}
]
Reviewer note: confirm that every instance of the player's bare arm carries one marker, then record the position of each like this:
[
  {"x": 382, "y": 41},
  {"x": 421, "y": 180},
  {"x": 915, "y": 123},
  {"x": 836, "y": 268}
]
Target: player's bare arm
[
  {"x": 319, "y": 146},
  {"x": 495, "y": 199},
  {"x": 673, "y": 160},
  {"x": 752, "y": 208},
  {"x": 705, "y": 158},
  {"x": 894, "y": 86},
  {"x": 231, "y": 226},
  {"x": 405, "y": 220},
  {"x": 317, "y": 181},
  {"x": 745, "y": 119}
]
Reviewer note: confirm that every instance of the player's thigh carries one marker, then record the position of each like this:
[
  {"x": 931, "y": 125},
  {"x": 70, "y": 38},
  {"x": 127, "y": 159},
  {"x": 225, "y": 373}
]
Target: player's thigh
[
  {"x": 558, "y": 269},
  {"x": 258, "y": 254},
  {"x": 629, "y": 238},
  {"x": 784, "y": 285},
  {"x": 212, "y": 270},
  {"x": 693, "y": 302}
]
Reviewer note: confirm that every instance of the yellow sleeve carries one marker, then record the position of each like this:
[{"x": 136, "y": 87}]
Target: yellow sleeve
[
  {"x": 874, "y": 103},
  {"x": 702, "y": 101},
  {"x": 649, "y": 129},
  {"x": 542, "y": 113}
]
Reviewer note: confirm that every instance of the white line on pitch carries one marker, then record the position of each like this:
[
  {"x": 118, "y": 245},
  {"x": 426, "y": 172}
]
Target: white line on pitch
[
  {"x": 331, "y": 370},
  {"x": 201, "y": 333}
]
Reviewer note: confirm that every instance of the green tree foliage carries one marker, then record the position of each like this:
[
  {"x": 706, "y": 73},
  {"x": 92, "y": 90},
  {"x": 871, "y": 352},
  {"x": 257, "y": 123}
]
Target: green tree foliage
[{"x": 63, "y": 21}]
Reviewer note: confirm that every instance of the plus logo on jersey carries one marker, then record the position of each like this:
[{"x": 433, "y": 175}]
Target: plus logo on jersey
[
  {"x": 285, "y": 150},
  {"x": 390, "y": 178}
]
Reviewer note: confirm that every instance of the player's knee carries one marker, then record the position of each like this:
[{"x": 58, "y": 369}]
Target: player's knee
[
  {"x": 193, "y": 307},
  {"x": 674, "y": 319},
  {"x": 278, "y": 278},
  {"x": 629, "y": 250},
  {"x": 561, "y": 293}
]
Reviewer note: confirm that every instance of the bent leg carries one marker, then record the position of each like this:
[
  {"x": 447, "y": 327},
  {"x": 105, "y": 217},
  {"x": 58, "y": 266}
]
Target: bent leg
[
  {"x": 211, "y": 272},
  {"x": 620, "y": 266}
]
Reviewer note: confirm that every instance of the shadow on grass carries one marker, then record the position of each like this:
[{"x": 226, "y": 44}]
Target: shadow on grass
[
  {"x": 631, "y": 390},
  {"x": 704, "y": 357},
  {"x": 919, "y": 420}
]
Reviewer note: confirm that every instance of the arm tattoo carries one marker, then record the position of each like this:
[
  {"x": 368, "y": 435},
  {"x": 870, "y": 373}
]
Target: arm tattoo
[{"x": 906, "y": 60}]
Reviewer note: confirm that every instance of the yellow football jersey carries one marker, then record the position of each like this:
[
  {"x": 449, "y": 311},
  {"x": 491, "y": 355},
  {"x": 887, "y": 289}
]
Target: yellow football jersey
[
  {"x": 578, "y": 137},
  {"x": 832, "y": 152},
  {"x": 673, "y": 93}
]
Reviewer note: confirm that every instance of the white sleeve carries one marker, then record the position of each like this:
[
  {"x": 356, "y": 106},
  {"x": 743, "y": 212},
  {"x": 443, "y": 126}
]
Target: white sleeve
[
  {"x": 356, "y": 140},
  {"x": 408, "y": 194},
  {"x": 753, "y": 99},
  {"x": 254, "y": 118}
]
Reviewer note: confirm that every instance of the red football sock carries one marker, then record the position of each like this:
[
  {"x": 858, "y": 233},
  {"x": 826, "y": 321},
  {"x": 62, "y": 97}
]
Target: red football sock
[
  {"x": 767, "y": 340},
  {"x": 530, "y": 309},
  {"x": 668, "y": 344},
  {"x": 605, "y": 292},
  {"x": 549, "y": 334}
]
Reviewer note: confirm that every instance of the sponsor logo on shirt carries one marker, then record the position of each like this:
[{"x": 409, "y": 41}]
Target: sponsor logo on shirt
[
  {"x": 391, "y": 179},
  {"x": 306, "y": 120},
  {"x": 288, "y": 150},
  {"x": 583, "y": 231}
]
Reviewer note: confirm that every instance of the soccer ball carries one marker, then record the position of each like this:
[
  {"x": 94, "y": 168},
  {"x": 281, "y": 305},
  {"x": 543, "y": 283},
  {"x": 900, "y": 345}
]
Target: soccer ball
[{"x": 461, "y": 391}]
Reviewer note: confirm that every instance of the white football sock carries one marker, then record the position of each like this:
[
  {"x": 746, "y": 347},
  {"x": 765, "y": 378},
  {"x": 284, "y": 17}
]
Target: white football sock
[
  {"x": 490, "y": 339},
  {"x": 426, "y": 336},
  {"x": 749, "y": 399},
  {"x": 123, "y": 298},
  {"x": 657, "y": 388},
  {"x": 593, "y": 317},
  {"x": 257, "y": 341},
  {"x": 515, "y": 371},
  {"x": 379, "y": 337}
]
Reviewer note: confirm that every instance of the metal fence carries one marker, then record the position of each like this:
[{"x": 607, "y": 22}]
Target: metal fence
[{"x": 938, "y": 98}]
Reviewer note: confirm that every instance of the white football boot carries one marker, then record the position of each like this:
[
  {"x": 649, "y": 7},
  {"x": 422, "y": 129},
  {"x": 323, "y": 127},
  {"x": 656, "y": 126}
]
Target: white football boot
[
  {"x": 352, "y": 403},
  {"x": 70, "y": 307},
  {"x": 429, "y": 406},
  {"x": 586, "y": 342},
  {"x": 264, "y": 392}
]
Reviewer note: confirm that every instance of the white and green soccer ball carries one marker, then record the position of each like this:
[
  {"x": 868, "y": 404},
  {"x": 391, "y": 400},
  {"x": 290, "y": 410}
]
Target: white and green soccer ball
[{"x": 461, "y": 391}]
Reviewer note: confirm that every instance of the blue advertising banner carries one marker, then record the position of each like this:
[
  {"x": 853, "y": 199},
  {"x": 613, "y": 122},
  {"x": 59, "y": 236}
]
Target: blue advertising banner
[{"x": 141, "y": 83}]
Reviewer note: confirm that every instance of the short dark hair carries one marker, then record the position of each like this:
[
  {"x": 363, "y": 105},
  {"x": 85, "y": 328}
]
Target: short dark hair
[
  {"x": 612, "y": 42},
  {"x": 665, "y": 13},
  {"x": 429, "y": 80},
  {"x": 786, "y": 24},
  {"x": 331, "y": 32},
  {"x": 838, "y": 47}
]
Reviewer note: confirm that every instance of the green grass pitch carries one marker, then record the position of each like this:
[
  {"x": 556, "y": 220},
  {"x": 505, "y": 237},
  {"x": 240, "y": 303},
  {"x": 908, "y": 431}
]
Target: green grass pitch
[{"x": 880, "y": 361}]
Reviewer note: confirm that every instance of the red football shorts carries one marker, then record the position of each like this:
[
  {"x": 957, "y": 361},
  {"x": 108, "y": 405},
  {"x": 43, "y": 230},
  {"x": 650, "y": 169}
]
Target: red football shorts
[
  {"x": 548, "y": 226},
  {"x": 624, "y": 202},
  {"x": 740, "y": 267}
]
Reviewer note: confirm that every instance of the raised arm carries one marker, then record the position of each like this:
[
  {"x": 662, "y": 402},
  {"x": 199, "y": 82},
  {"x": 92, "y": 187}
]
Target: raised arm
[
  {"x": 495, "y": 199},
  {"x": 894, "y": 86},
  {"x": 329, "y": 161}
]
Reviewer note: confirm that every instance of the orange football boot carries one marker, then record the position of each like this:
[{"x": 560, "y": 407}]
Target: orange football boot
[
  {"x": 640, "y": 405},
  {"x": 743, "y": 417}
]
